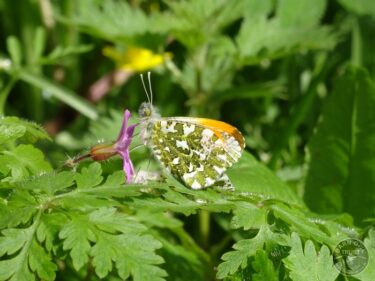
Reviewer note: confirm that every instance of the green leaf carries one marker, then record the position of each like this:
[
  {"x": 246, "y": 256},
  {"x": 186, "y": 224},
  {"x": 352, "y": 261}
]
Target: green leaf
[
  {"x": 28, "y": 258},
  {"x": 90, "y": 176},
  {"x": 244, "y": 249},
  {"x": 15, "y": 269},
  {"x": 342, "y": 164},
  {"x": 258, "y": 8},
  {"x": 39, "y": 43},
  {"x": 82, "y": 201},
  {"x": 111, "y": 20},
  {"x": 369, "y": 272},
  {"x": 111, "y": 189},
  {"x": 158, "y": 219},
  {"x": 307, "y": 264},
  {"x": 195, "y": 22},
  {"x": 40, "y": 262},
  {"x": 18, "y": 209},
  {"x": 13, "y": 240},
  {"x": 77, "y": 235},
  {"x": 48, "y": 183},
  {"x": 49, "y": 228},
  {"x": 8, "y": 133},
  {"x": 359, "y": 7},
  {"x": 252, "y": 177},
  {"x": 136, "y": 257},
  {"x": 300, "y": 222},
  {"x": 300, "y": 12},
  {"x": 248, "y": 216},
  {"x": 23, "y": 161},
  {"x": 104, "y": 253},
  {"x": 264, "y": 37},
  {"x": 133, "y": 254},
  {"x": 115, "y": 237},
  {"x": 264, "y": 268},
  {"x": 179, "y": 204},
  {"x": 12, "y": 128},
  {"x": 109, "y": 220},
  {"x": 219, "y": 60},
  {"x": 14, "y": 50},
  {"x": 60, "y": 53},
  {"x": 116, "y": 179},
  {"x": 176, "y": 197}
]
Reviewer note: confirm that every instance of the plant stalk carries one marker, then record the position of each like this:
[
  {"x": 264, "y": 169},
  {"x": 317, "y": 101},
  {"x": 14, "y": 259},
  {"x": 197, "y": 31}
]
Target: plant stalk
[
  {"x": 4, "y": 93},
  {"x": 357, "y": 46},
  {"x": 204, "y": 228}
]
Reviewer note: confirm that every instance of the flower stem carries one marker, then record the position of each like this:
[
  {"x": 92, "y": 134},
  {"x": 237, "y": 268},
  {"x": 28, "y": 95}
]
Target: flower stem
[
  {"x": 4, "y": 93},
  {"x": 357, "y": 45},
  {"x": 204, "y": 228}
]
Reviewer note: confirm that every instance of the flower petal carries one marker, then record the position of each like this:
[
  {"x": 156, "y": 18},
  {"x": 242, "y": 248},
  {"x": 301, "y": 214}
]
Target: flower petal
[
  {"x": 122, "y": 146},
  {"x": 136, "y": 59},
  {"x": 127, "y": 166},
  {"x": 123, "y": 131},
  {"x": 129, "y": 134}
]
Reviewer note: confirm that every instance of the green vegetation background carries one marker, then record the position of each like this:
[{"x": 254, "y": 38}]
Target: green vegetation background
[{"x": 295, "y": 76}]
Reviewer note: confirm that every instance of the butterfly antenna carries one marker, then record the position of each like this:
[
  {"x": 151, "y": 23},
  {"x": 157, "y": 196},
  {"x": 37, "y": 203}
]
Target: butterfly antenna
[
  {"x": 149, "y": 85},
  {"x": 144, "y": 87}
]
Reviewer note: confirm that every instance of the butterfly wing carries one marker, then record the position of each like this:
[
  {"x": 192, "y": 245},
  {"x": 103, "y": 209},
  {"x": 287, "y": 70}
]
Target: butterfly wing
[{"x": 197, "y": 151}]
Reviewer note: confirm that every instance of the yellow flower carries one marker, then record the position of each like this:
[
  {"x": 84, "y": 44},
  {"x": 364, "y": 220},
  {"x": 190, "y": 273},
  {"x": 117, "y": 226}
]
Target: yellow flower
[{"x": 135, "y": 58}]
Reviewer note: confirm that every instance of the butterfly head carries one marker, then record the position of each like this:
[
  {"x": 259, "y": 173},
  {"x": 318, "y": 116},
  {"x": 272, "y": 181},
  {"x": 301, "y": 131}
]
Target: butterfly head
[{"x": 147, "y": 110}]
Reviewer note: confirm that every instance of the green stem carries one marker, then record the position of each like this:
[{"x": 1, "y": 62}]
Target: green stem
[
  {"x": 189, "y": 242},
  {"x": 4, "y": 93},
  {"x": 63, "y": 94},
  {"x": 357, "y": 46},
  {"x": 204, "y": 228}
]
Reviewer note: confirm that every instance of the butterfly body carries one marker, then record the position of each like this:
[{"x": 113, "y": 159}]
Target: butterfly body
[{"x": 196, "y": 151}]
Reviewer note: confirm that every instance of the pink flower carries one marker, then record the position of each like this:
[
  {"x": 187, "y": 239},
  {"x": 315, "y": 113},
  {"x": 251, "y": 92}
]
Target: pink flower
[{"x": 121, "y": 146}]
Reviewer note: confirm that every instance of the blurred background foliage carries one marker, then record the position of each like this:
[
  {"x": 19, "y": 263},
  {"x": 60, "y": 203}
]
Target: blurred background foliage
[
  {"x": 266, "y": 67},
  {"x": 295, "y": 76}
]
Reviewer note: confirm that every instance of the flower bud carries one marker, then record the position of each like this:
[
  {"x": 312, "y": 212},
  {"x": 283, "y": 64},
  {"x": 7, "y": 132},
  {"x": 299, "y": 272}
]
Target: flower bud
[{"x": 102, "y": 151}]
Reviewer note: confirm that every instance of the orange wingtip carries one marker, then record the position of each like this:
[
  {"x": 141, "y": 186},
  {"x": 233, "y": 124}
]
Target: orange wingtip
[{"x": 222, "y": 126}]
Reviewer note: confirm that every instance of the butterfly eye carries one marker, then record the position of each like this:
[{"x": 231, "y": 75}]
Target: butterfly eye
[
  {"x": 141, "y": 110},
  {"x": 145, "y": 110}
]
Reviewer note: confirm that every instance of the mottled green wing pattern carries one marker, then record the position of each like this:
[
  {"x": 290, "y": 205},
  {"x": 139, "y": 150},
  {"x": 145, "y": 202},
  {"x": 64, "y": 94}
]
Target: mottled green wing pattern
[{"x": 194, "y": 154}]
